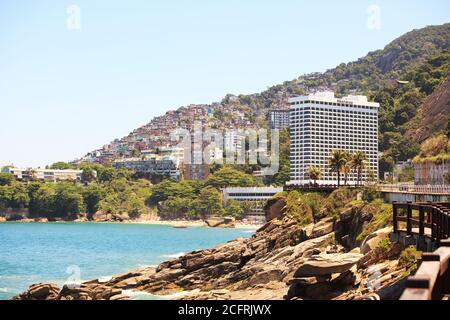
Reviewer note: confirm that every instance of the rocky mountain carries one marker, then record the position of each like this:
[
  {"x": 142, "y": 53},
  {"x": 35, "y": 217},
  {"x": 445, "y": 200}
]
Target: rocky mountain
[
  {"x": 388, "y": 76},
  {"x": 433, "y": 114}
]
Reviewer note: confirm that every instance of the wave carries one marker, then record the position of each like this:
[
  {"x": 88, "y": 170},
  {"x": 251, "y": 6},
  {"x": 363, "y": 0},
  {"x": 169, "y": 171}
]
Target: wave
[
  {"x": 173, "y": 256},
  {"x": 3, "y": 290},
  {"x": 142, "y": 295}
]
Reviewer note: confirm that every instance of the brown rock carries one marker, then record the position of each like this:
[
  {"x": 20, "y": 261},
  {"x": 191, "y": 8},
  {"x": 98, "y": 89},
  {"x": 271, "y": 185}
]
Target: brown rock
[
  {"x": 326, "y": 264},
  {"x": 322, "y": 228}
]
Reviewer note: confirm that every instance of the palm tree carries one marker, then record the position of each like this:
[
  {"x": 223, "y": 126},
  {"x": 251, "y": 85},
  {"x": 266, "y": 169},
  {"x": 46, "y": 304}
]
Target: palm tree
[
  {"x": 347, "y": 168},
  {"x": 315, "y": 173},
  {"x": 337, "y": 161},
  {"x": 359, "y": 163}
]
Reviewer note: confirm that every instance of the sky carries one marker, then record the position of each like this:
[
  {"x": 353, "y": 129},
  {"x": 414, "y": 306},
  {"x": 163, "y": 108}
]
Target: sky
[{"x": 74, "y": 75}]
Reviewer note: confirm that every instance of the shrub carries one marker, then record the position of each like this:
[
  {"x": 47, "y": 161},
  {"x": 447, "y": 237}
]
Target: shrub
[
  {"x": 381, "y": 217},
  {"x": 408, "y": 259},
  {"x": 385, "y": 244}
]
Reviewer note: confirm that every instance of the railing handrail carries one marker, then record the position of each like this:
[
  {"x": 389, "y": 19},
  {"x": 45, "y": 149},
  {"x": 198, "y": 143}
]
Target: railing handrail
[
  {"x": 432, "y": 279},
  {"x": 407, "y": 188}
]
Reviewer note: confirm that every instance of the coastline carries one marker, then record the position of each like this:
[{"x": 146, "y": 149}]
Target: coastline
[{"x": 174, "y": 223}]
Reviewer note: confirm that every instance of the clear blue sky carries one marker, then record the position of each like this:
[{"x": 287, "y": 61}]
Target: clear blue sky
[{"x": 65, "y": 92}]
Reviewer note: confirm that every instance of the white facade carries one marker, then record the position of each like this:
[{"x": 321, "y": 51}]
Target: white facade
[
  {"x": 250, "y": 193},
  {"x": 321, "y": 123},
  {"x": 257, "y": 196},
  {"x": 46, "y": 174},
  {"x": 279, "y": 119}
]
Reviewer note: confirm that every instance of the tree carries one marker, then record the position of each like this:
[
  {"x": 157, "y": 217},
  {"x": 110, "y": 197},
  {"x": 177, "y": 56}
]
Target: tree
[
  {"x": 346, "y": 168},
  {"x": 41, "y": 199},
  {"x": 92, "y": 196},
  {"x": 5, "y": 197},
  {"x": 106, "y": 174},
  {"x": 234, "y": 209},
  {"x": 228, "y": 177},
  {"x": 168, "y": 189},
  {"x": 88, "y": 175},
  {"x": 337, "y": 161},
  {"x": 67, "y": 201},
  {"x": 61, "y": 166},
  {"x": 19, "y": 196},
  {"x": 315, "y": 173},
  {"x": 209, "y": 202},
  {"x": 359, "y": 163},
  {"x": 6, "y": 178},
  {"x": 175, "y": 207}
]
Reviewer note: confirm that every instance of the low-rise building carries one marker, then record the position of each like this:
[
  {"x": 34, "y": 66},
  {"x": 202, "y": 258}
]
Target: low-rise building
[
  {"x": 195, "y": 171},
  {"x": 255, "y": 196},
  {"x": 152, "y": 166},
  {"x": 431, "y": 173},
  {"x": 45, "y": 174}
]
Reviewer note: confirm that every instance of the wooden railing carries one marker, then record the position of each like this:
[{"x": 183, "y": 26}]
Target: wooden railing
[
  {"x": 432, "y": 279},
  {"x": 431, "y": 219}
]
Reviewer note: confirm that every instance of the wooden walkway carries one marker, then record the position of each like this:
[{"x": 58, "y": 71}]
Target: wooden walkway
[{"x": 427, "y": 221}]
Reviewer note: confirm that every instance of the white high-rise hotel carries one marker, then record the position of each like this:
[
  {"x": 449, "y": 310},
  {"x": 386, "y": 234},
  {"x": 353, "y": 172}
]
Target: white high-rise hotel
[{"x": 321, "y": 123}]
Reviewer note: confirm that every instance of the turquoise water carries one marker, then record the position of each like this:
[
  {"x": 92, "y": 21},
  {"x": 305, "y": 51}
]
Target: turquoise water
[{"x": 59, "y": 252}]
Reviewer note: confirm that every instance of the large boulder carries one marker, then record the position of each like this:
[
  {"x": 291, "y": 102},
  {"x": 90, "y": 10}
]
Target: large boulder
[
  {"x": 40, "y": 291},
  {"x": 322, "y": 228},
  {"x": 275, "y": 208},
  {"x": 219, "y": 222},
  {"x": 327, "y": 264},
  {"x": 372, "y": 241}
]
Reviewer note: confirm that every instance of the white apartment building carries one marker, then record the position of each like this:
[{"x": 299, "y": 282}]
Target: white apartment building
[
  {"x": 279, "y": 119},
  {"x": 321, "y": 123},
  {"x": 45, "y": 174}
]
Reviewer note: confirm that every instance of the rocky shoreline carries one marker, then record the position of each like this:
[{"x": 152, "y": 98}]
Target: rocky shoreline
[{"x": 280, "y": 261}]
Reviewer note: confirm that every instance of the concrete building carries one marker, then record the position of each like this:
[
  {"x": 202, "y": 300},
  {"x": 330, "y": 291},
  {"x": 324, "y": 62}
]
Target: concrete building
[
  {"x": 195, "y": 171},
  {"x": 431, "y": 173},
  {"x": 45, "y": 174},
  {"x": 279, "y": 119},
  {"x": 321, "y": 123},
  {"x": 256, "y": 197},
  {"x": 163, "y": 167}
]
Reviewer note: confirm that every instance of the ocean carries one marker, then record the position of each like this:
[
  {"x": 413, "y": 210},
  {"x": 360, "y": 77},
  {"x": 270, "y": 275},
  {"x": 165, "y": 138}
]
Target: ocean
[{"x": 69, "y": 252}]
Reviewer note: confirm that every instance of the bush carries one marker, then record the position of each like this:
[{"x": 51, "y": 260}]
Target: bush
[
  {"x": 338, "y": 200},
  {"x": 381, "y": 217},
  {"x": 234, "y": 209},
  {"x": 408, "y": 259},
  {"x": 385, "y": 244}
]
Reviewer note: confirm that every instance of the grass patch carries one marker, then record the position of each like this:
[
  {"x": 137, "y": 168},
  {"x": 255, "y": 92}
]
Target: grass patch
[
  {"x": 381, "y": 217},
  {"x": 408, "y": 260}
]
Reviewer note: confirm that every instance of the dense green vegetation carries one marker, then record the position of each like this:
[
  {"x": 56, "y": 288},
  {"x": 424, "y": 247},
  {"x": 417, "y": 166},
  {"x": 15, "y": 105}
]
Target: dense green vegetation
[
  {"x": 114, "y": 192},
  {"x": 118, "y": 192},
  {"x": 435, "y": 149},
  {"x": 195, "y": 199}
]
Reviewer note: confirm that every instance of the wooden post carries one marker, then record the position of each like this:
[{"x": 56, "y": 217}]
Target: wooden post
[
  {"x": 438, "y": 225},
  {"x": 433, "y": 221},
  {"x": 394, "y": 217},
  {"x": 447, "y": 227},
  {"x": 408, "y": 219},
  {"x": 421, "y": 221}
]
